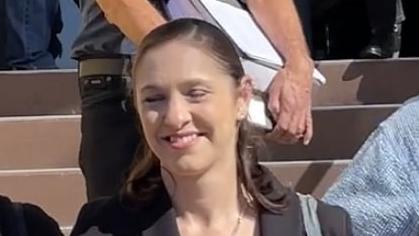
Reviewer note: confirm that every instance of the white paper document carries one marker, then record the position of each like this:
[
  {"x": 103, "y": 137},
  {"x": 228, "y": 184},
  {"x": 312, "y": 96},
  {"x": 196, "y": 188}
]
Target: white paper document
[
  {"x": 257, "y": 114},
  {"x": 241, "y": 27}
]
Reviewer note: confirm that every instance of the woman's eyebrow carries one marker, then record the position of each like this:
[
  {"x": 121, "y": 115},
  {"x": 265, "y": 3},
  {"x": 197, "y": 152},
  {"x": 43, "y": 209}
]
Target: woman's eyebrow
[
  {"x": 189, "y": 83},
  {"x": 197, "y": 81},
  {"x": 149, "y": 87}
]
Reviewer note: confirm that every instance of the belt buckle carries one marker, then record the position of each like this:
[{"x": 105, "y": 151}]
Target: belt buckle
[{"x": 96, "y": 82}]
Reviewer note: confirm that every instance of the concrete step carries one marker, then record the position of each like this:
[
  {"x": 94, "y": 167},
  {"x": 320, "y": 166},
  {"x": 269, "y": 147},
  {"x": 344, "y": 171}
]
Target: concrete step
[
  {"x": 350, "y": 82},
  {"x": 39, "y": 92},
  {"x": 53, "y": 141},
  {"x": 339, "y": 131},
  {"x": 60, "y": 192},
  {"x": 39, "y": 142},
  {"x": 310, "y": 177}
]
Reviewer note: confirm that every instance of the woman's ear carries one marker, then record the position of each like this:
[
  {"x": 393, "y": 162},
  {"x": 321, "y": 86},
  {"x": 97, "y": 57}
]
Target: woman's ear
[{"x": 245, "y": 95}]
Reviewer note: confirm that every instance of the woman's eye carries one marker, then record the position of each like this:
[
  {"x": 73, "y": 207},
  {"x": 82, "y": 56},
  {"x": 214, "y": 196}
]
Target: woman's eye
[
  {"x": 197, "y": 93},
  {"x": 152, "y": 99}
]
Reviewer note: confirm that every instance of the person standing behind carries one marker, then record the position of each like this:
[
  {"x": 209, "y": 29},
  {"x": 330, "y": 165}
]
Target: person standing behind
[
  {"x": 109, "y": 138},
  {"x": 386, "y": 19},
  {"x": 30, "y": 34}
]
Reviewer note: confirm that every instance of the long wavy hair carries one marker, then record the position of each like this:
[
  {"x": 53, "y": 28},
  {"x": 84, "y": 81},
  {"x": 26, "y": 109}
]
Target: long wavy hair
[{"x": 144, "y": 179}]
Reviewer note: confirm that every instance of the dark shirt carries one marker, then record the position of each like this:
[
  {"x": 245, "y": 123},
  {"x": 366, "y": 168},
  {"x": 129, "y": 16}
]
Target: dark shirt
[
  {"x": 111, "y": 216},
  {"x": 31, "y": 33},
  {"x": 23, "y": 219}
]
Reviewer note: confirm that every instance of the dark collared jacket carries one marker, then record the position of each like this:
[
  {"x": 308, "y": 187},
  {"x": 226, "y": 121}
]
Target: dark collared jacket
[
  {"x": 111, "y": 216},
  {"x": 24, "y": 219}
]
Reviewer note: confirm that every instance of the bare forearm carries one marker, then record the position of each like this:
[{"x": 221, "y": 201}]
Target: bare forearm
[
  {"x": 135, "y": 18},
  {"x": 280, "y": 21}
]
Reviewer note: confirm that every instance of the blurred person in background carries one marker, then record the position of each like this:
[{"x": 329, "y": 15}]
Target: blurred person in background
[
  {"x": 29, "y": 31},
  {"x": 385, "y": 19}
]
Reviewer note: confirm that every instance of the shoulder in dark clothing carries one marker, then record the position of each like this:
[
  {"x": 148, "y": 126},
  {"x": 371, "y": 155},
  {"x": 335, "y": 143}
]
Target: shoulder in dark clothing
[
  {"x": 111, "y": 216},
  {"x": 334, "y": 220},
  {"x": 16, "y": 218}
]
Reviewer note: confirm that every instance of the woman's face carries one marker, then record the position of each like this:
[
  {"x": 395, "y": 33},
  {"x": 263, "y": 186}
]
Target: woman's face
[{"x": 189, "y": 108}]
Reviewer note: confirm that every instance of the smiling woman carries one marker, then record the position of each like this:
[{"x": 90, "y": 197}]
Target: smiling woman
[{"x": 199, "y": 173}]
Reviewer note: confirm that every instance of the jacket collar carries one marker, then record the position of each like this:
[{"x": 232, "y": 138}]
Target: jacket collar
[
  {"x": 287, "y": 223},
  {"x": 270, "y": 224},
  {"x": 165, "y": 225}
]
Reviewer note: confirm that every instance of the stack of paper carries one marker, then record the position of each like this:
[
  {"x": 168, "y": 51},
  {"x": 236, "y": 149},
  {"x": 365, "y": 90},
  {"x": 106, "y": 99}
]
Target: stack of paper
[{"x": 241, "y": 27}]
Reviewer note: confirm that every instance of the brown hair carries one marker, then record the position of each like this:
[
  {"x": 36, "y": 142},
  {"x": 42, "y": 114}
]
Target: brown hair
[{"x": 144, "y": 179}]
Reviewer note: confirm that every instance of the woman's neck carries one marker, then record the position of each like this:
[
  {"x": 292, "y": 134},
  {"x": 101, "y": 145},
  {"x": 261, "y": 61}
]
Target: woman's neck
[{"x": 208, "y": 198}]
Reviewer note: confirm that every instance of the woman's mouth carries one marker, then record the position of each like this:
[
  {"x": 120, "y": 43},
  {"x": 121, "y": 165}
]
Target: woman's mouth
[{"x": 182, "y": 141}]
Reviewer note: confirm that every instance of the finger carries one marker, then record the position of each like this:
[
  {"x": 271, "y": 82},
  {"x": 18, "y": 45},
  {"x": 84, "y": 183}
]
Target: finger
[
  {"x": 274, "y": 137},
  {"x": 277, "y": 135},
  {"x": 293, "y": 125},
  {"x": 274, "y": 97},
  {"x": 309, "y": 128},
  {"x": 282, "y": 135},
  {"x": 289, "y": 138},
  {"x": 284, "y": 121},
  {"x": 281, "y": 139},
  {"x": 301, "y": 128},
  {"x": 297, "y": 123},
  {"x": 273, "y": 104}
]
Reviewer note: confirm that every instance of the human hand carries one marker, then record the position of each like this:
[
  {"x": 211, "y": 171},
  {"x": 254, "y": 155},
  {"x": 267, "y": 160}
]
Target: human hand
[{"x": 290, "y": 105}]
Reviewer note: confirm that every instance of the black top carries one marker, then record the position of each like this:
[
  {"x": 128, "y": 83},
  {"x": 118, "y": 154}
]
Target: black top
[
  {"x": 24, "y": 219},
  {"x": 111, "y": 216}
]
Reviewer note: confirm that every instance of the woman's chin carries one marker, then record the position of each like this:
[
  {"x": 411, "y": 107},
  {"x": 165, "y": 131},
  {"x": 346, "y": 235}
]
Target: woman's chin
[{"x": 187, "y": 169}]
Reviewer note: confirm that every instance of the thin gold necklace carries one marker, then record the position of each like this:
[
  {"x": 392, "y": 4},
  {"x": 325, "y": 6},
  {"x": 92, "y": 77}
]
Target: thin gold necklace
[{"x": 239, "y": 220}]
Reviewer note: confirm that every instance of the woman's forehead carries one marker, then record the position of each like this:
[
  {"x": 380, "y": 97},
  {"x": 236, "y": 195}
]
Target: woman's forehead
[
  {"x": 179, "y": 53},
  {"x": 181, "y": 60}
]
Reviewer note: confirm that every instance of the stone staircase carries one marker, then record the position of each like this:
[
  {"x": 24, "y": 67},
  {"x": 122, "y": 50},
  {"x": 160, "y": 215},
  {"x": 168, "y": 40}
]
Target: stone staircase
[{"x": 40, "y": 134}]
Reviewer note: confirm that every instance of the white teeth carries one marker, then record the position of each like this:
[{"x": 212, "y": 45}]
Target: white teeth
[{"x": 182, "y": 139}]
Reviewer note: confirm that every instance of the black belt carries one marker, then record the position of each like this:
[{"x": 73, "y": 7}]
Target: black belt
[
  {"x": 104, "y": 73},
  {"x": 105, "y": 67}
]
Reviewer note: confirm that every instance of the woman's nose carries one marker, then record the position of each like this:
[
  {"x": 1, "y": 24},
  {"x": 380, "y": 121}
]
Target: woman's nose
[{"x": 177, "y": 113}]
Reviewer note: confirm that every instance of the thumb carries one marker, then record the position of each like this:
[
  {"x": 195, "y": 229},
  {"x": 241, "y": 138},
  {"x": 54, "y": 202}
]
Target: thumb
[{"x": 275, "y": 92}]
